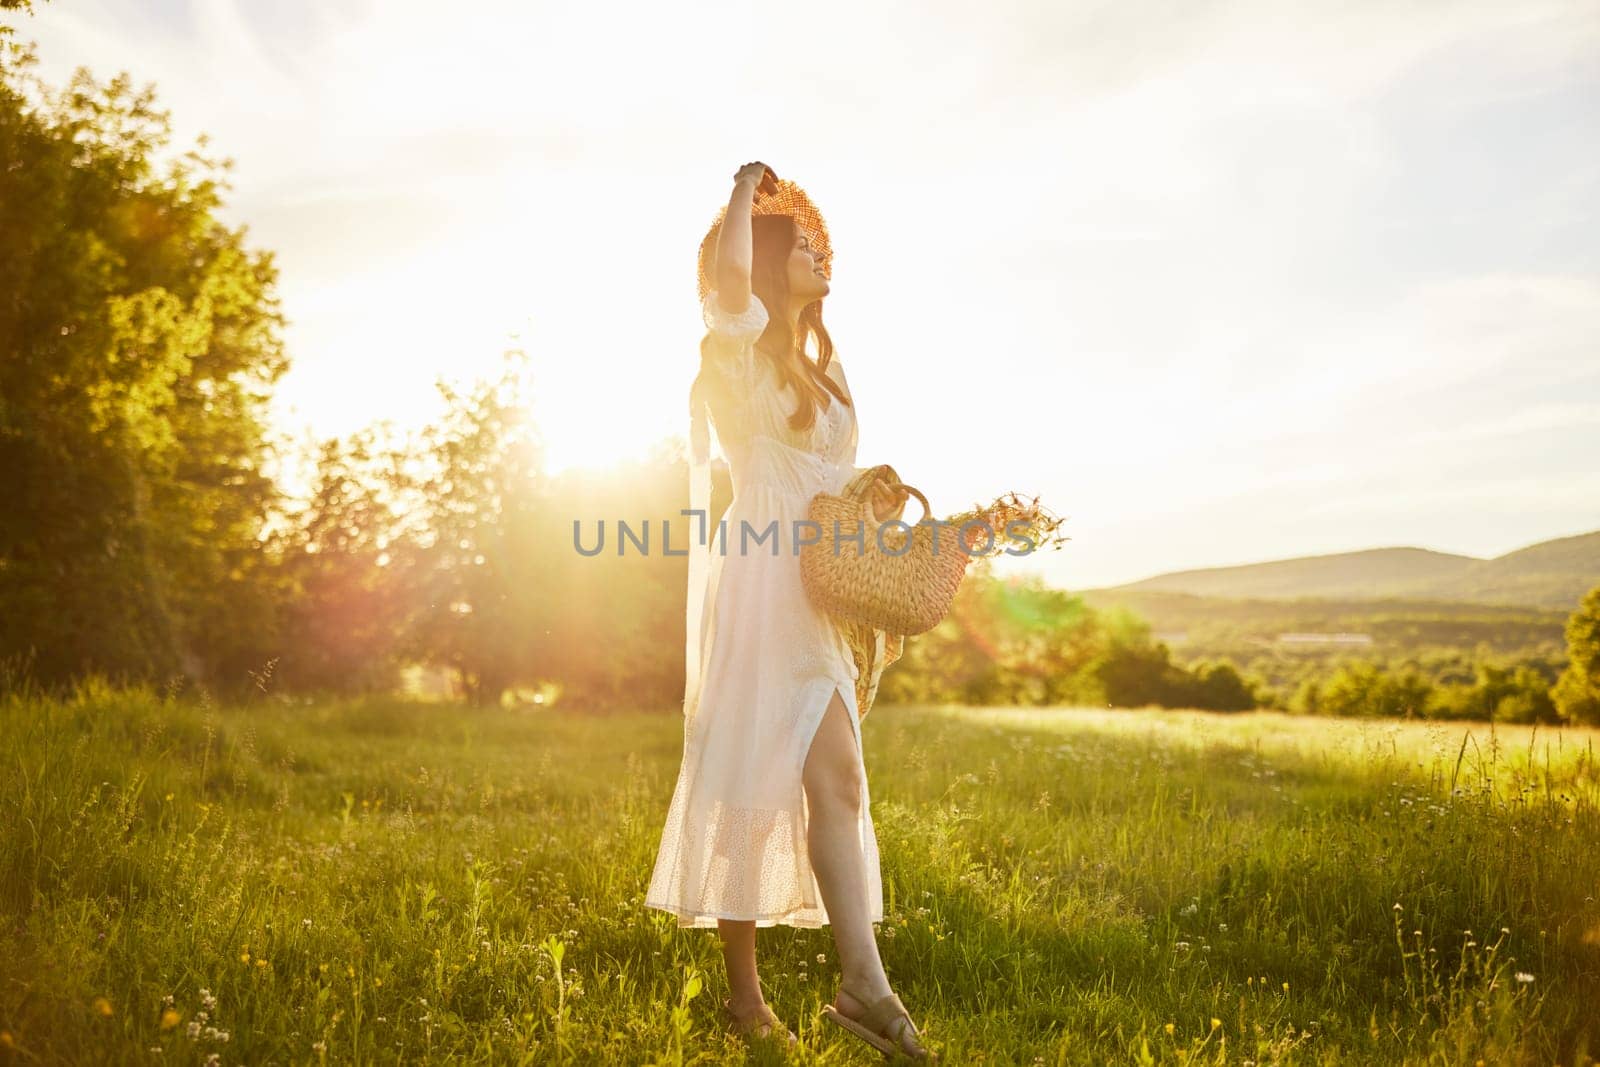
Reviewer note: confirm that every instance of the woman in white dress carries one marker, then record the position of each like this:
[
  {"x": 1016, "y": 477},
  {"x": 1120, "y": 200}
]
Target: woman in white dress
[{"x": 770, "y": 819}]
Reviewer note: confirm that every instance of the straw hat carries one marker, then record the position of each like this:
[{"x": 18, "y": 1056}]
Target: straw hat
[{"x": 789, "y": 199}]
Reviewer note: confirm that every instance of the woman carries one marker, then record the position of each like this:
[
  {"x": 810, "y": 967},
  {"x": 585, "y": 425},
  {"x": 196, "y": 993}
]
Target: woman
[{"x": 771, "y": 806}]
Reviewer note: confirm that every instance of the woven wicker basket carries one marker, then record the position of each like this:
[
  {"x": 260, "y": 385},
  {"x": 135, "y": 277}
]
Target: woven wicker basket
[{"x": 896, "y": 588}]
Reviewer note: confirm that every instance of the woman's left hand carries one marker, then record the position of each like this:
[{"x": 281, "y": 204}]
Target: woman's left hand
[{"x": 887, "y": 502}]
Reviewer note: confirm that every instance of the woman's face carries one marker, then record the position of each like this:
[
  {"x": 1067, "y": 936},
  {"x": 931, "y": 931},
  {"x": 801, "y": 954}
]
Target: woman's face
[{"x": 805, "y": 271}]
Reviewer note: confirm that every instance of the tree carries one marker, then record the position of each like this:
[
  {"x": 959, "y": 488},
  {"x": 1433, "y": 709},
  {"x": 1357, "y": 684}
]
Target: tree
[
  {"x": 141, "y": 339},
  {"x": 1363, "y": 689},
  {"x": 479, "y": 595},
  {"x": 343, "y": 603},
  {"x": 1577, "y": 691},
  {"x": 1219, "y": 687}
]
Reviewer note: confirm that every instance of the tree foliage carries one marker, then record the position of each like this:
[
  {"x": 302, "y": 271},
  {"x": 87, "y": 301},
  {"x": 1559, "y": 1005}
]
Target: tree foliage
[
  {"x": 1577, "y": 691},
  {"x": 141, "y": 338}
]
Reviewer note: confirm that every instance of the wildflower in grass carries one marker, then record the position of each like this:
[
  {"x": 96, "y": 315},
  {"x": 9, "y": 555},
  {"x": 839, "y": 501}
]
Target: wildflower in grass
[
  {"x": 305, "y": 922},
  {"x": 1169, "y": 1028},
  {"x": 1215, "y": 1023},
  {"x": 102, "y": 1006},
  {"x": 169, "y": 1019},
  {"x": 822, "y": 957},
  {"x": 1524, "y": 977}
]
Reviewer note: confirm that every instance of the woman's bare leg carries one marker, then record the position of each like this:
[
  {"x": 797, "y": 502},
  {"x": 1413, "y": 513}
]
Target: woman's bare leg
[
  {"x": 832, "y": 779},
  {"x": 744, "y": 985},
  {"x": 739, "y": 952}
]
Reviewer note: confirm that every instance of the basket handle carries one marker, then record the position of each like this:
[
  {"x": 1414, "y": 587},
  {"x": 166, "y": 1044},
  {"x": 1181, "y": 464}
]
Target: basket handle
[{"x": 927, "y": 512}]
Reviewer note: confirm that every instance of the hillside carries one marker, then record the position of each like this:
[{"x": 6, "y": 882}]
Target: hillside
[{"x": 1552, "y": 574}]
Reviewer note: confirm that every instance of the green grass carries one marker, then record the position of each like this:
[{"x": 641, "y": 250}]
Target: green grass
[{"x": 383, "y": 882}]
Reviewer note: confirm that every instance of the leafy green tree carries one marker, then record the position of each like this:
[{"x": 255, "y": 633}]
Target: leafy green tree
[
  {"x": 343, "y": 596},
  {"x": 13, "y": 5},
  {"x": 1307, "y": 698},
  {"x": 1577, "y": 691},
  {"x": 619, "y": 640},
  {"x": 1219, "y": 687},
  {"x": 140, "y": 341},
  {"x": 1134, "y": 671},
  {"x": 1363, "y": 689},
  {"x": 481, "y": 576}
]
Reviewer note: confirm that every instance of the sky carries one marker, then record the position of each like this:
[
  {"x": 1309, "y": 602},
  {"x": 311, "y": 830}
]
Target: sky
[{"x": 1219, "y": 283}]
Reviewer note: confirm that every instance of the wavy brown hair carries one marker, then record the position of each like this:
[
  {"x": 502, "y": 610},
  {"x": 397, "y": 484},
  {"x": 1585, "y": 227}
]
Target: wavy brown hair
[{"x": 772, "y": 240}]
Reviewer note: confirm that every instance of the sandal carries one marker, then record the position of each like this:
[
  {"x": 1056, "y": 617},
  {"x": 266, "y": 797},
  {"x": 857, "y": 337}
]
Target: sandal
[
  {"x": 877, "y": 1026},
  {"x": 761, "y": 1028}
]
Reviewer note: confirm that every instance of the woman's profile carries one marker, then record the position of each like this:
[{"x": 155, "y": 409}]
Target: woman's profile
[{"x": 770, "y": 820}]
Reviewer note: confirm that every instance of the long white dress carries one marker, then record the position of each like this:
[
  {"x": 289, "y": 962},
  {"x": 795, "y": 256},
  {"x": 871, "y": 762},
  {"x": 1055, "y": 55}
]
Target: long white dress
[{"x": 762, "y": 663}]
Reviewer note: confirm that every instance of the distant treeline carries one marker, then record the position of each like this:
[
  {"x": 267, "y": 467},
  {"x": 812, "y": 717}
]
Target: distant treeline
[{"x": 146, "y": 539}]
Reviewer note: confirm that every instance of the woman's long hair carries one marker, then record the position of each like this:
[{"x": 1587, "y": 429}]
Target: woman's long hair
[{"x": 772, "y": 241}]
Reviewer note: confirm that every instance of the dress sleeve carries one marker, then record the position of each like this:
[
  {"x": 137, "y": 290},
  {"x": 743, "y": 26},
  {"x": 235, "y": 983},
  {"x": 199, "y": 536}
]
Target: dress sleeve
[{"x": 732, "y": 337}]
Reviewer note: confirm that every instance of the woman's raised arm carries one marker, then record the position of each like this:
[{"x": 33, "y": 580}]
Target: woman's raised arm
[{"x": 734, "y": 243}]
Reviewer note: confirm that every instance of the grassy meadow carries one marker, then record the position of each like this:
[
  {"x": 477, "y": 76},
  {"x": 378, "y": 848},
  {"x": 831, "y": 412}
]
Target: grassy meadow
[{"x": 376, "y": 881}]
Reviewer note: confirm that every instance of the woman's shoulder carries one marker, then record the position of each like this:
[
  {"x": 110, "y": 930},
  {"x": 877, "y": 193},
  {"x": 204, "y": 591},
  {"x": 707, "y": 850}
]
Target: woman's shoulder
[{"x": 746, "y": 324}]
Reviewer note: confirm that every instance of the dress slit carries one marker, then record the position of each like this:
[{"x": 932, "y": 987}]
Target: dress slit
[{"x": 811, "y": 891}]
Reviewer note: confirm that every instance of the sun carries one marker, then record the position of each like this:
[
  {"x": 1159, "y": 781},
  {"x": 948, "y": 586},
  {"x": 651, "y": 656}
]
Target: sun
[{"x": 587, "y": 419}]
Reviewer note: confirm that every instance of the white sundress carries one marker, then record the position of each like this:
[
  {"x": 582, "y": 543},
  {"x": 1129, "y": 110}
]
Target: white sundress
[{"x": 762, "y": 662}]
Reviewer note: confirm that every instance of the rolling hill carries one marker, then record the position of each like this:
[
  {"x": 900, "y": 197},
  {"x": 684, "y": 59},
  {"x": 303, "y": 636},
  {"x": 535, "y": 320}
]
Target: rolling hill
[{"x": 1549, "y": 575}]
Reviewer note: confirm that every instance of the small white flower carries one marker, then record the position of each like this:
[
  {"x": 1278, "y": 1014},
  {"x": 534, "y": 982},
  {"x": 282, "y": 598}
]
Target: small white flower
[{"x": 1524, "y": 977}]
